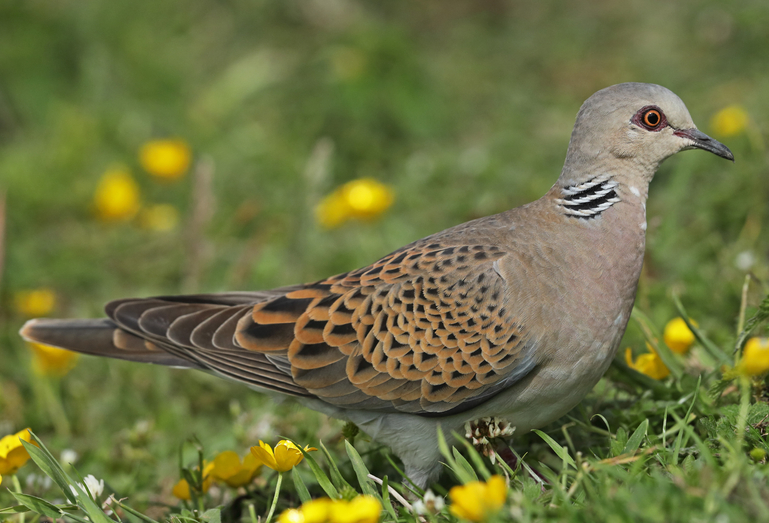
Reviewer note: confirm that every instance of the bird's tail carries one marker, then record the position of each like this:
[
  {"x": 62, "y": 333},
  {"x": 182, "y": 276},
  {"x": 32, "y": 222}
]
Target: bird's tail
[{"x": 100, "y": 337}]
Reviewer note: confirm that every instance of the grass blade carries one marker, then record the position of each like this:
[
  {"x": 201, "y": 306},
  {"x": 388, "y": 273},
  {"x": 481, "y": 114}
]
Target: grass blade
[
  {"x": 322, "y": 478},
  {"x": 462, "y": 462},
  {"x": 38, "y": 505},
  {"x": 475, "y": 457},
  {"x": 557, "y": 448},
  {"x": 360, "y": 470},
  {"x": 336, "y": 476},
  {"x": 135, "y": 512},
  {"x": 637, "y": 438},
  {"x": 301, "y": 488},
  {"x": 40, "y": 455}
]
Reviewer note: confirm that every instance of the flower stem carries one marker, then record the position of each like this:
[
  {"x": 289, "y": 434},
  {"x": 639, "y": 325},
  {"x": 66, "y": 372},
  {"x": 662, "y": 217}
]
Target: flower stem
[
  {"x": 742, "y": 417},
  {"x": 17, "y": 488},
  {"x": 275, "y": 498}
]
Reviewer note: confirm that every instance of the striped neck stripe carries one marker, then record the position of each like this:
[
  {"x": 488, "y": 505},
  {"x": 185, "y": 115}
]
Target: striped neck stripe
[{"x": 589, "y": 199}]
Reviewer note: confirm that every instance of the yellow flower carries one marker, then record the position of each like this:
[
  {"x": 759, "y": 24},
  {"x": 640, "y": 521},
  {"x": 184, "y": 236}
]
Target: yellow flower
[
  {"x": 649, "y": 364},
  {"x": 167, "y": 159},
  {"x": 12, "y": 453},
  {"x": 284, "y": 457},
  {"x": 314, "y": 511},
  {"x": 755, "y": 357},
  {"x": 229, "y": 468},
  {"x": 477, "y": 501},
  {"x": 291, "y": 515},
  {"x": 51, "y": 361},
  {"x": 363, "y": 199},
  {"x": 317, "y": 510},
  {"x": 182, "y": 489},
  {"x": 361, "y": 509},
  {"x": 36, "y": 302},
  {"x": 729, "y": 121},
  {"x": 161, "y": 217},
  {"x": 677, "y": 335},
  {"x": 117, "y": 195}
]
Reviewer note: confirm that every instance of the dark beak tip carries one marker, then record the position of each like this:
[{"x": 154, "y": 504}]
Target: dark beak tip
[{"x": 706, "y": 143}]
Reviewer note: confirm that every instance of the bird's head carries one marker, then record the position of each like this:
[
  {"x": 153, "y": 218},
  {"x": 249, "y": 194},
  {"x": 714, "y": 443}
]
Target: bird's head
[{"x": 638, "y": 124}]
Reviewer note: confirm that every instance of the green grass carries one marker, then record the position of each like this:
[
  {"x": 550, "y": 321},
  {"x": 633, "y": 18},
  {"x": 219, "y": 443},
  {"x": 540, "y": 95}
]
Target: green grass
[{"x": 465, "y": 109}]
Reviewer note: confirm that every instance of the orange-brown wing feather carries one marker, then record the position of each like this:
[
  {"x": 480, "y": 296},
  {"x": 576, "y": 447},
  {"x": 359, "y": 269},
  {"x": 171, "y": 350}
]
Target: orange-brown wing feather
[{"x": 422, "y": 330}]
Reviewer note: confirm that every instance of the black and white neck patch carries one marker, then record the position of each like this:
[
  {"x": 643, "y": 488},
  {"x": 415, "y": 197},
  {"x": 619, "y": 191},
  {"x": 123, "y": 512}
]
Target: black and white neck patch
[{"x": 589, "y": 199}]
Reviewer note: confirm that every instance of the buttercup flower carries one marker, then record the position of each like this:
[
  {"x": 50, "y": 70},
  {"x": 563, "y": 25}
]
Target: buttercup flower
[
  {"x": 35, "y": 302},
  {"x": 648, "y": 363},
  {"x": 755, "y": 357},
  {"x": 284, "y": 457},
  {"x": 161, "y": 217},
  {"x": 364, "y": 199},
  {"x": 292, "y": 515},
  {"x": 12, "y": 453},
  {"x": 51, "y": 361},
  {"x": 314, "y": 511},
  {"x": 117, "y": 195},
  {"x": 229, "y": 468},
  {"x": 677, "y": 335},
  {"x": 729, "y": 121},
  {"x": 182, "y": 488},
  {"x": 361, "y": 509},
  {"x": 168, "y": 159},
  {"x": 476, "y": 501}
]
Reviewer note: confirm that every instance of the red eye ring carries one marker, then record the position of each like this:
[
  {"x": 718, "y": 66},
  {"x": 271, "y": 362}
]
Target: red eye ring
[{"x": 652, "y": 118}]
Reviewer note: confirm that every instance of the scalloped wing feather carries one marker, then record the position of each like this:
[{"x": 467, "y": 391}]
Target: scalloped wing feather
[{"x": 423, "y": 330}]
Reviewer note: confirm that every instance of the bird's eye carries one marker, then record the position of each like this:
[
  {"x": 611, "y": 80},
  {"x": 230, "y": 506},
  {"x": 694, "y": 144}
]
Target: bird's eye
[{"x": 652, "y": 118}]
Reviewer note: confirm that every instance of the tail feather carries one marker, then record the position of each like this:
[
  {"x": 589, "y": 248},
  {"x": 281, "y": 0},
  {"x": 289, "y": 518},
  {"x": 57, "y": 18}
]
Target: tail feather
[{"x": 100, "y": 337}]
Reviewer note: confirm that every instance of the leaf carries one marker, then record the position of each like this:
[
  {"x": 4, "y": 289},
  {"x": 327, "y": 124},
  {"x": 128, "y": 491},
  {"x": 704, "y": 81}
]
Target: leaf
[
  {"x": 135, "y": 512},
  {"x": 301, "y": 488},
  {"x": 336, "y": 476},
  {"x": 38, "y": 505},
  {"x": 761, "y": 314},
  {"x": 475, "y": 457},
  {"x": 360, "y": 470},
  {"x": 322, "y": 478},
  {"x": 16, "y": 509},
  {"x": 619, "y": 442},
  {"x": 49, "y": 466},
  {"x": 94, "y": 512},
  {"x": 464, "y": 464},
  {"x": 213, "y": 515},
  {"x": 451, "y": 462},
  {"x": 557, "y": 448},
  {"x": 637, "y": 438},
  {"x": 388, "y": 506}
]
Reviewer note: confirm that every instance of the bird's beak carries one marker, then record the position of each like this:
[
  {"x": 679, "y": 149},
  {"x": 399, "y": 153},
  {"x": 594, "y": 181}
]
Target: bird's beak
[{"x": 701, "y": 140}]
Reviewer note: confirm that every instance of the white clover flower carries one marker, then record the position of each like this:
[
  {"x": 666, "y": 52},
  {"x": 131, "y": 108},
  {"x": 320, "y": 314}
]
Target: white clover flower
[
  {"x": 429, "y": 504},
  {"x": 93, "y": 486}
]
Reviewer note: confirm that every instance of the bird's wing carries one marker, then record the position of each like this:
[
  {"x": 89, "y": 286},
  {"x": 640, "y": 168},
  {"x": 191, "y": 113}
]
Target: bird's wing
[{"x": 423, "y": 330}]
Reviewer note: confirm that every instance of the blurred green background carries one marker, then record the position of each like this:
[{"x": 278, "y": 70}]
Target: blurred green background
[{"x": 464, "y": 108}]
